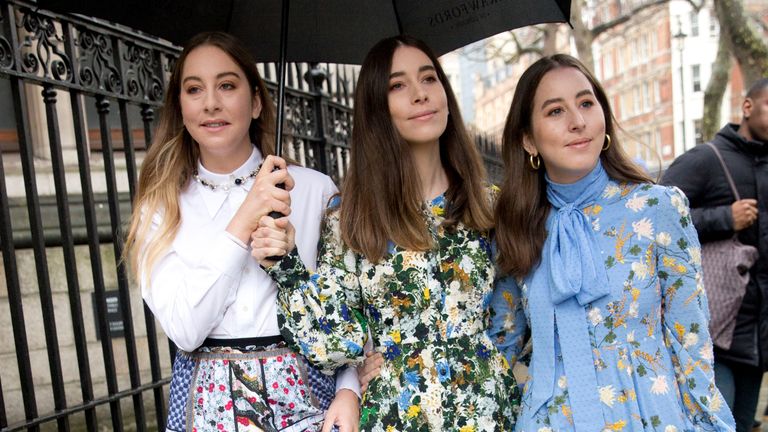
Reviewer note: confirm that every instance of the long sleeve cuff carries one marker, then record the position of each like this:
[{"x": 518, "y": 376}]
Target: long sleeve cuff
[
  {"x": 347, "y": 379},
  {"x": 290, "y": 272}
]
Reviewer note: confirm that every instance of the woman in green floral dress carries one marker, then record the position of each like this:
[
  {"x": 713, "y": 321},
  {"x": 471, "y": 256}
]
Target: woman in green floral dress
[{"x": 405, "y": 255}]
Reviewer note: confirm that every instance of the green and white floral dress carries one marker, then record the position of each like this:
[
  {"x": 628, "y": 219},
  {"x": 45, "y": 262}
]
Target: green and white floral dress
[{"x": 427, "y": 313}]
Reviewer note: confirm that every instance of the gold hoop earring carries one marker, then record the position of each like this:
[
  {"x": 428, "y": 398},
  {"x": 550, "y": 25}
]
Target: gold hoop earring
[
  {"x": 607, "y": 142},
  {"x": 531, "y": 159}
]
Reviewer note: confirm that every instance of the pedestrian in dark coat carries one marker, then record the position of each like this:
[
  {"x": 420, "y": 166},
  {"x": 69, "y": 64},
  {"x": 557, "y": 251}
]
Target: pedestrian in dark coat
[{"x": 744, "y": 147}]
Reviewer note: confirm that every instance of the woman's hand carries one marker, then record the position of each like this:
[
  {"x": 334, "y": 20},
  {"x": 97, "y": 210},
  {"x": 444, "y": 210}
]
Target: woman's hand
[
  {"x": 274, "y": 237},
  {"x": 344, "y": 412},
  {"x": 264, "y": 197},
  {"x": 370, "y": 369}
]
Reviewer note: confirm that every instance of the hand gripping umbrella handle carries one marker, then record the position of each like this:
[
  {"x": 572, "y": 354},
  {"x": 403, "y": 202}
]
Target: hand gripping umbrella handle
[{"x": 276, "y": 215}]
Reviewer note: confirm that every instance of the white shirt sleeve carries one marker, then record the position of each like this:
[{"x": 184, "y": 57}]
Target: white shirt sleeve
[
  {"x": 190, "y": 299},
  {"x": 347, "y": 379}
]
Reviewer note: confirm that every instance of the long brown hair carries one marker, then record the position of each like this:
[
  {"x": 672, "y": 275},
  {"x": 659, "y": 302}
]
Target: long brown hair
[
  {"x": 522, "y": 209},
  {"x": 172, "y": 157},
  {"x": 381, "y": 195}
]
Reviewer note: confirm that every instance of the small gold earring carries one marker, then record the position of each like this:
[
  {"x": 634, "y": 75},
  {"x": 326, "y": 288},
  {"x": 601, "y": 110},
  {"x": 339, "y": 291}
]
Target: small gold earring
[
  {"x": 535, "y": 165},
  {"x": 607, "y": 142}
]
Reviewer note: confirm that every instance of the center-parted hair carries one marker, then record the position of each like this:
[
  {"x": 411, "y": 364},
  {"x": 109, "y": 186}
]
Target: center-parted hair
[
  {"x": 172, "y": 157},
  {"x": 382, "y": 193},
  {"x": 522, "y": 208}
]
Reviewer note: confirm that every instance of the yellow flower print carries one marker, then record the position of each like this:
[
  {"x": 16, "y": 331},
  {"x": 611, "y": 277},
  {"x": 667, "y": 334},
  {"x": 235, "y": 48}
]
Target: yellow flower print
[
  {"x": 680, "y": 329},
  {"x": 566, "y": 410},
  {"x": 649, "y": 259},
  {"x": 413, "y": 411},
  {"x": 593, "y": 210},
  {"x": 626, "y": 188},
  {"x": 668, "y": 261},
  {"x": 395, "y": 335},
  {"x": 616, "y": 426},
  {"x": 627, "y": 395},
  {"x": 509, "y": 298},
  {"x": 691, "y": 366},
  {"x": 401, "y": 302},
  {"x": 467, "y": 428},
  {"x": 418, "y": 361},
  {"x": 438, "y": 210},
  {"x": 426, "y": 293},
  {"x": 621, "y": 238},
  {"x": 692, "y": 407},
  {"x": 458, "y": 271}
]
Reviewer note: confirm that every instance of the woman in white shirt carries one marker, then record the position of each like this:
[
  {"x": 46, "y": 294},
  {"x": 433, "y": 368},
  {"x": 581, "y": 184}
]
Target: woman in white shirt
[{"x": 204, "y": 185}]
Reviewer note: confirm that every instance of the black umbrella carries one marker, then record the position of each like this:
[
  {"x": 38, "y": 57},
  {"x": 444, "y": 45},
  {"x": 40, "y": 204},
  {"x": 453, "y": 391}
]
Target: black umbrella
[{"x": 335, "y": 31}]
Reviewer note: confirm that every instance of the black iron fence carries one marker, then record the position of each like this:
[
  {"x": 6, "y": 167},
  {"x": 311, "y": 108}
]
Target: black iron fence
[{"x": 78, "y": 101}]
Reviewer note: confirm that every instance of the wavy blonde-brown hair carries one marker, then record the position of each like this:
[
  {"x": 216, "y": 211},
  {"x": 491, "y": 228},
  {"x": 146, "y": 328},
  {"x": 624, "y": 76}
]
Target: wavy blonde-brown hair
[{"x": 172, "y": 157}]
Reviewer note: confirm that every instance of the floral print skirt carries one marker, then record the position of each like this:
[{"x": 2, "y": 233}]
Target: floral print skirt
[
  {"x": 463, "y": 384},
  {"x": 240, "y": 390}
]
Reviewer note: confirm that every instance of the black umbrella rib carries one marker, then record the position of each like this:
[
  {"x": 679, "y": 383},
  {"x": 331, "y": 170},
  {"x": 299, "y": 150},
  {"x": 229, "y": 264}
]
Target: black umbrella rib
[{"x": 397, "y": 17}]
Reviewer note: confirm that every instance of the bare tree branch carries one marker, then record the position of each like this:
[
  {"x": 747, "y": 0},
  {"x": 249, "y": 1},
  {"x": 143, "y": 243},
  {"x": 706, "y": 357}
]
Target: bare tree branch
[
  {"x": 744, "y": 42},
  {"x": 697, "y": 6},
  {"x": 621, "y": 19}
]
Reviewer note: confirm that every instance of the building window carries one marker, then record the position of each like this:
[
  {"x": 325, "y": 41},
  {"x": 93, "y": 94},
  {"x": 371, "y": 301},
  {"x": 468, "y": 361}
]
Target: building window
[
  {"x": 636, "y": 100},
  {"x": 657, "y": 140},
  {"x": 697, "y": 132},
  {"x": 712, "y": 23},
  {"x": 696, "y": 77},
  {"x": 635, "y": 53},
  {"x": 694, "y": 24},
  {"x": 646, "y": 97},
  {"x": 608, "y": 64}
]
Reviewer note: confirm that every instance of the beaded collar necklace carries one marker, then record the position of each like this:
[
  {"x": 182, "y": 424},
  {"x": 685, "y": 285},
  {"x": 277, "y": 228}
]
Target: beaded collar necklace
[{"x": 237, "y": 181}]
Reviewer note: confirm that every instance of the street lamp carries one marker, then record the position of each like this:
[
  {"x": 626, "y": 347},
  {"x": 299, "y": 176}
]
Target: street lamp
[{"x": 680, "y": 36}]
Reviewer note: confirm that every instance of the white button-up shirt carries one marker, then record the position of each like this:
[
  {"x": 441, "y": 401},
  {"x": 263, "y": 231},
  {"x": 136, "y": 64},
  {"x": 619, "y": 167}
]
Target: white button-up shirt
[{"x": 207, "y": 284}]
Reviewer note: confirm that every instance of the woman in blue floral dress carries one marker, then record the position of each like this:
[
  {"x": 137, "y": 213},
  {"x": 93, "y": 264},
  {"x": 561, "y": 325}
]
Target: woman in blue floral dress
[
  {"x": 404, "y": 254},
  {"x": 606, "y": 267}
]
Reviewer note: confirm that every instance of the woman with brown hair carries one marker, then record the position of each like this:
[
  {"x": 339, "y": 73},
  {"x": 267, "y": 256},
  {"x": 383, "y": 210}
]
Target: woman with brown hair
[
  {"x": 606, "y": 267},
  {"x": 405, "y": 254},
  {"x": 205, "y": 182}
]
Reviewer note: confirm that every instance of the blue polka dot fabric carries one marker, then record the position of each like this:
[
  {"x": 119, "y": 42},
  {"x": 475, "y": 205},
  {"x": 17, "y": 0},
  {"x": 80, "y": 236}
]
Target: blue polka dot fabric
[
  {"x": 321, "y": 385},
  {"x": 179, "y": 392}
]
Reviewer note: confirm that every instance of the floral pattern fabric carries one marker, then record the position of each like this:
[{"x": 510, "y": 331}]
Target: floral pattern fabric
[
  {"x": 428, "y": 314},
  {"x": 652, "y": 353},
  {"x": 241, "y": 391}
]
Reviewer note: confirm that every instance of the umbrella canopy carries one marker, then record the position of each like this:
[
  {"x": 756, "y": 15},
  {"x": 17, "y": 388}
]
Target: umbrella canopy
[{"x": 335, "y": 31}]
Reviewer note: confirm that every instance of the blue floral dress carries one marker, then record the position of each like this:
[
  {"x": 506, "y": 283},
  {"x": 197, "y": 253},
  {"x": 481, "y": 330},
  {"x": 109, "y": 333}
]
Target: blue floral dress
[
  {"x": 651, "y": 350},
  {"x": 428, "y": 314}
]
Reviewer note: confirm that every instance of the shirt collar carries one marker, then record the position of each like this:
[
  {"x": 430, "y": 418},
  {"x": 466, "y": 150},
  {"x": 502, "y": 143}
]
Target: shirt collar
[{"x": 213, "y": 199}]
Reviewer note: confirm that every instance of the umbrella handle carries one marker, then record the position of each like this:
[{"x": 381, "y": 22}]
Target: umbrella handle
[
  {"x": 276, "y": 215},
  {"x": 281, "y": 79}
]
